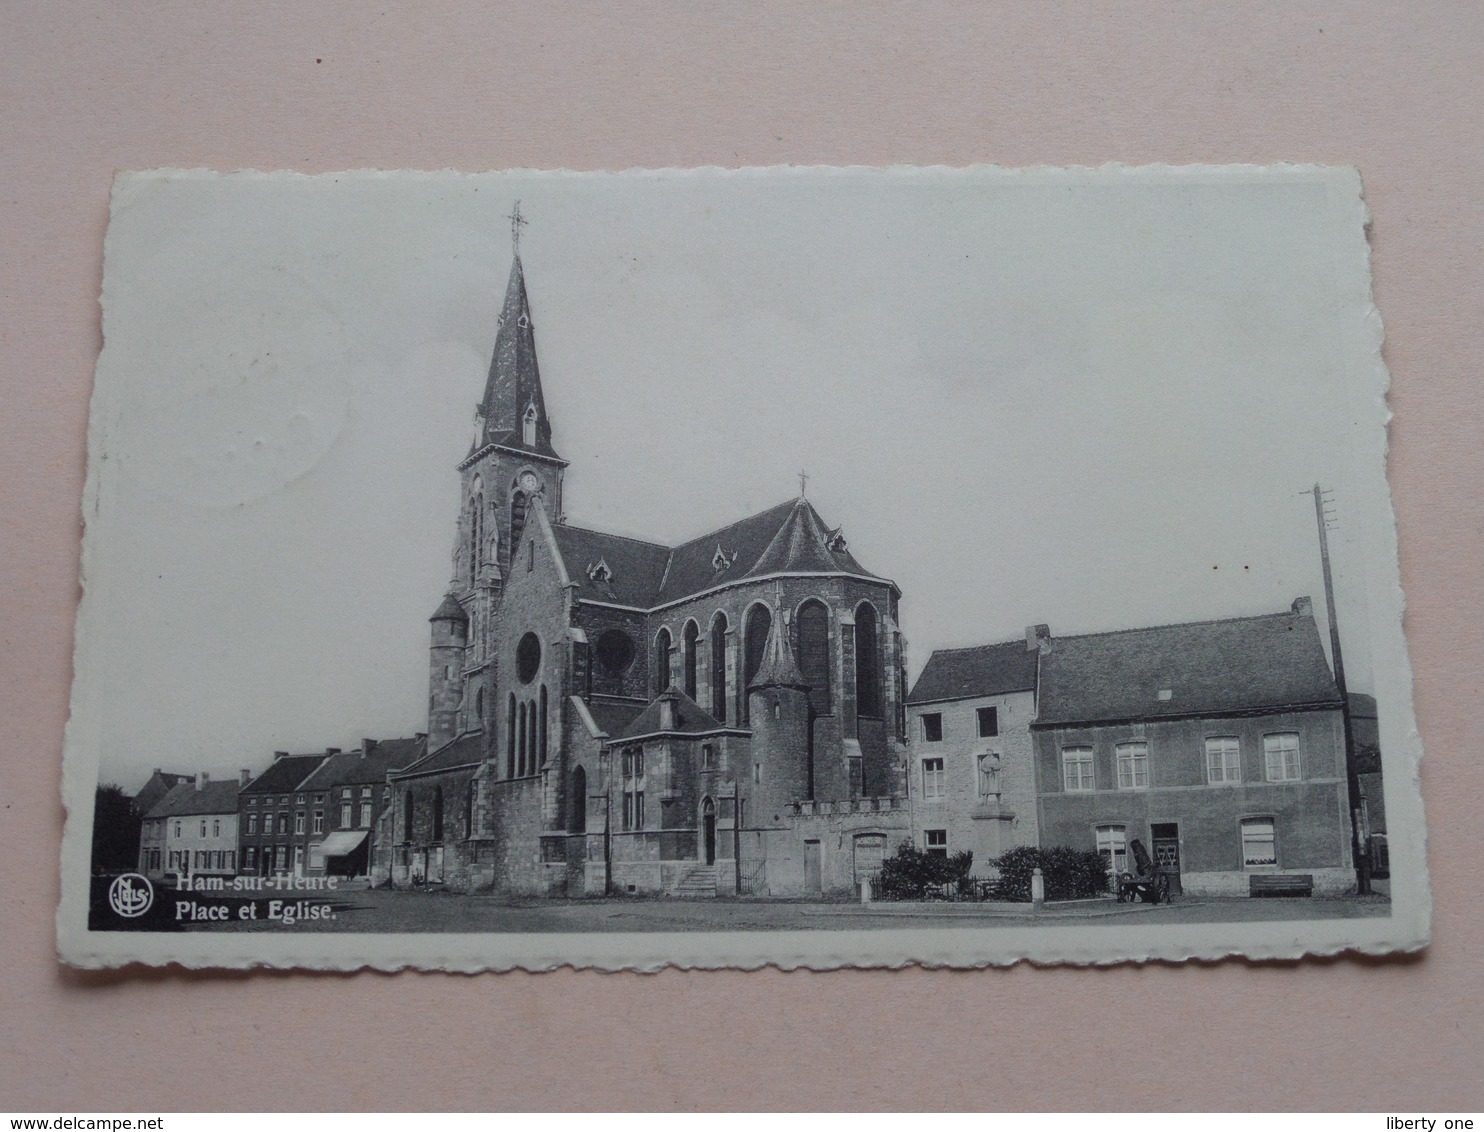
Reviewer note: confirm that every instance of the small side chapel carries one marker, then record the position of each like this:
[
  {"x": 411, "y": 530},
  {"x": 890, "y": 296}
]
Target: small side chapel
[{"x": 608, "y": 715}]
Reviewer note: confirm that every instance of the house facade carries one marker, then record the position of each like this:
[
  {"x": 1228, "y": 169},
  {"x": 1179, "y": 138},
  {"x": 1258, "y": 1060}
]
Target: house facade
[
  {"x": 1219, "y": 744},
  {"x": 275, "y": 814},
  {"x": 610, "y": 714},
  {"x": 973, "y": 781},
  {"x": 191, "y": 831},
  {"x": 345, "y": 796}
]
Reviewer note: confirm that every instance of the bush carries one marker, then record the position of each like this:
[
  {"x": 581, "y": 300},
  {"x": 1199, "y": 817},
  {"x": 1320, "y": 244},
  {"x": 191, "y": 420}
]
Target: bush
[
  {"x": 911, "y": 873},
  {"x": 1070, "y": 874}
]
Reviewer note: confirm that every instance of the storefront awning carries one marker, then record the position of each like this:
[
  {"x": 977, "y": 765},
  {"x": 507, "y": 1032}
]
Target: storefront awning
[{"x": 342, "y": 843}]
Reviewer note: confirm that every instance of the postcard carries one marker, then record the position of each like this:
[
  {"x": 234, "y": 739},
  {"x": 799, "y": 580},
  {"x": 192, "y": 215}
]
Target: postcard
[{"x": 725, "y": 568}]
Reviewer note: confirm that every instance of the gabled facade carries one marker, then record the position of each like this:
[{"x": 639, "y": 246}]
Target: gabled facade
[
  {"x": 192, "y": 830},
  {"x": 968, "y": 719},
  {"x": 553, "y": 642},
  {"x": 1219, "y": 744}
]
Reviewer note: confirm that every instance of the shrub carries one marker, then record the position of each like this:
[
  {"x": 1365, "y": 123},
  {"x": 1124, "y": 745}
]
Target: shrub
[
  {"x": 911, "y": 873},
  {"x": 1070, "y": 874}
]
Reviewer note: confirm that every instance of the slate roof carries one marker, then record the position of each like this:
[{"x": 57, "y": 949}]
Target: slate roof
[
  {"x": 284, "y": 775},
  {"x": 637, "y": 567},
  {"x": 984, "y": 670},
  {"x": 611, "y": 718},
  {"x": 777, "y": 669},
  {"x": 450, "y": 610},
  {"x": 184, "y": 800},
  {"x": 788, "y": 538},
  {"x": 461, "y": 751},
  {"x": 355, "y": 768},
  {"x": 690, "y": 718},
  {"x": 1236, "y": 666},
  {"x": 515, "y": 379}
]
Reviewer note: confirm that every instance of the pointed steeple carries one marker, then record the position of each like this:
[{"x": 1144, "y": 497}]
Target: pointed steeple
[
  {"x": 513, "y": 410},
  {"x": 778, "y": 669}
]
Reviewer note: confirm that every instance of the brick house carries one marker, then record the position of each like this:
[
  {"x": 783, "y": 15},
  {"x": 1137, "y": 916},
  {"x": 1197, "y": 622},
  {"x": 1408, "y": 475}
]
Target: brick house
[
  {"x": 345, "y": 796},
  {"x": 1219, "y": 744},
  {"x": 554, "y": 643},
  {"x": 274, "y": 814},
  {"x": 972, "y": 779},
  {"x": 192, "y": 830}
]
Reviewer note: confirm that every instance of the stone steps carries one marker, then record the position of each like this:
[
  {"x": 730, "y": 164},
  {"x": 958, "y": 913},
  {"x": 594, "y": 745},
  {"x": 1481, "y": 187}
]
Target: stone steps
[{"x": 699, "y": 880}]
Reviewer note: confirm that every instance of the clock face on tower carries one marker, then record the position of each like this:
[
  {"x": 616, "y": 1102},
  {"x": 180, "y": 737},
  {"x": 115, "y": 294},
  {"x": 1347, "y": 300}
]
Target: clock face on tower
[{"x": 529, "y": 482}]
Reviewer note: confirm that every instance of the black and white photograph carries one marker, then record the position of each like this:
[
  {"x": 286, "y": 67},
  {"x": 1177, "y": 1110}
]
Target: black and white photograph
[{"x": 798, "y": 566}]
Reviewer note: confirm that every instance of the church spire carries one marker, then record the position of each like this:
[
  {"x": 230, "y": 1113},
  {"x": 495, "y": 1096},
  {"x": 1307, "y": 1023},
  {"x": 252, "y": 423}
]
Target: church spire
[{"x": 513, "y": 410}]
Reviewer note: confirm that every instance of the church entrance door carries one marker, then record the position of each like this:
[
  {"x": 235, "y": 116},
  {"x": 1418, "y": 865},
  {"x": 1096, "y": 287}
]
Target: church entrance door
[
  {"x": 813, "y": 881},
  {"x": 708, "y": 830}
]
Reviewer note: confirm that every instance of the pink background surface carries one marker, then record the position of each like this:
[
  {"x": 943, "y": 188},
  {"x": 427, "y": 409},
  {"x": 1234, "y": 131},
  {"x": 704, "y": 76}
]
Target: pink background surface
[{"x": 1393, "y": 89}]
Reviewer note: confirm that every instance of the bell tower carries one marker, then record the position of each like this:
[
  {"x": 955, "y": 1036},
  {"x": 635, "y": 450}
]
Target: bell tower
[{"x": 510, "y": 463}]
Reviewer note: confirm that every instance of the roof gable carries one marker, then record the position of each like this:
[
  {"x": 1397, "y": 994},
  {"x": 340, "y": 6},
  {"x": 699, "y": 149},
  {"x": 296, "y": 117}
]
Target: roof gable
[
  {"x": 365, "y": 767},
  {"x": 984, "y": 670},
  {"x": 285, "y": 774},
  {"x": 689, "y": 717},
  {"x": 1240, "y": 665}
]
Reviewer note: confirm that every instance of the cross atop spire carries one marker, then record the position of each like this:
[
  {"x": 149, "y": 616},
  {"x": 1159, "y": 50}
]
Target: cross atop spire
[
  {"x": 803, "y": 482},
  {"x": 517, "y": 222}
]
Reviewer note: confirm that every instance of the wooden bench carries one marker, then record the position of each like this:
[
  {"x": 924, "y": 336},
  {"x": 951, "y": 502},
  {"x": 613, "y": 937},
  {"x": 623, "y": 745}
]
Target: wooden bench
[{"x": 1279, "y": 884}]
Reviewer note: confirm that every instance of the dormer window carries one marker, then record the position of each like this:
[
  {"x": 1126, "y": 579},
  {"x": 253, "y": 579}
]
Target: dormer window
[
  {"x": 719, "y": 560},
  {"x": 528, "y": 424},
  {"x": 836, "y": 541},
  {"x": 524, "y": 322},
  {"x": 600, "y": 572}
]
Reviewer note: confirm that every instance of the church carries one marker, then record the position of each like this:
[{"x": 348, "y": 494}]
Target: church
[{"x": 608, "y": 715}]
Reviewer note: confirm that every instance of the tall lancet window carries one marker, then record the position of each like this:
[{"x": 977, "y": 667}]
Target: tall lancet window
[
  {"x": 688, "y": 660},
  {"x": 758, "y": 622},
  {"x": 867, "y": 661},
  {"x": 528, "y": 427},
  {"x": 510, "y": 739},
  {"x": 476, "y": 532},
  {"x": 719, "y": 666},
  {"x": 517, "y": 519},
  {"x": 662, "y": 661},
  {"x": 814, "y": 653}
]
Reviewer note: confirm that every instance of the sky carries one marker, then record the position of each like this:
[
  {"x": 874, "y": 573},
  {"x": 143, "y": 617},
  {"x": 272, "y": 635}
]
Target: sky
[{"x": 1085, "y": 398}]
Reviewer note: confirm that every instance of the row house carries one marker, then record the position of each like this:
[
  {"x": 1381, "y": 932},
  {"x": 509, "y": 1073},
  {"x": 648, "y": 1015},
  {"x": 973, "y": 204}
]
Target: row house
[
  {"x": 191, "y": 830},
  {"x": 275, "y": 814}
]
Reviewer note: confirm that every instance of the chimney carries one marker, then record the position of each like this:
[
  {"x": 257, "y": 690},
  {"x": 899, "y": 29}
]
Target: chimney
[
  {"x": 1034, "y": 635},
  {"x": 332, "y": 750},
  {"x": 667, "y": 712},
  {"x": 367, "y": 746},
  {"x": 420, "y": 735},
  {"x": 1303, "y": 606},
  {"x": 158, "y": 771},
  {"x": 202, "y": 778},
  {"x": 244, "y": 776},
  {"x": 280, "y": 754}
]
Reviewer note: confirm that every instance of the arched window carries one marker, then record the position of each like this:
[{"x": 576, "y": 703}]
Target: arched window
[
  {"x": 541, "y": 733},
  {"x": 479, "y": 708},
  {"x": 528, "y": 427},
  {"x": 867, "y": 661},
  {"x": 510, "y": 738},
  {"x": 759, "y": 620},
  {"x": 437, "y": 813},
  {"x": 577, "y": 803},
  {"x": 407, "y": 814},
  {"x": 469, "y": 810},
  {"x": 719, "y": 666},
  {"x": 688, "y": 658},
  {"x": 517, "y": 518},
  {"x": 814, "y": 653},
  {"x": 662, "y": 661},
  {"x": 520, "y": 758}
]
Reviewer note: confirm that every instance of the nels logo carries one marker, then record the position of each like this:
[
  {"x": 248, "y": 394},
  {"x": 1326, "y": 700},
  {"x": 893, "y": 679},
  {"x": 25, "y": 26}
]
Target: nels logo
[{"x": 131, "y": 895}]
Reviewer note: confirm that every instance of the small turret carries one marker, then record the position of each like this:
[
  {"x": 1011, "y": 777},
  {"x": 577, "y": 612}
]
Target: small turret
[
  {"x": 778, "y": 709},
  {"x": 450, "y": 637}
]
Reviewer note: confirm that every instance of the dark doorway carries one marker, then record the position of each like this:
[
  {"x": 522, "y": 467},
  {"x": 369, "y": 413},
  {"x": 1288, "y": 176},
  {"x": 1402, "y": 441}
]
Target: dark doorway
[
  {"x": 1166, "y": 838},
  {"x": 708, "y": 830}
]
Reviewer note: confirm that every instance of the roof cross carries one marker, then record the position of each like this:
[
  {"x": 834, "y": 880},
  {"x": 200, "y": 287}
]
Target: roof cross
[
  {"x": 803, "y": 481},
  {"x": 517, "y": 222}
]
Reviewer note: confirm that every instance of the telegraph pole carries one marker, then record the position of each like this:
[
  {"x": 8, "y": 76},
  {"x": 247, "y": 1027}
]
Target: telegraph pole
[{"x": 1352, "y": 778}]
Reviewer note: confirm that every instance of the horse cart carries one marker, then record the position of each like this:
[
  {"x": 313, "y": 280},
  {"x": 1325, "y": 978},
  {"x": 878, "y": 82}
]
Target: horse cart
[{"x": 1151, "y": 883}]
